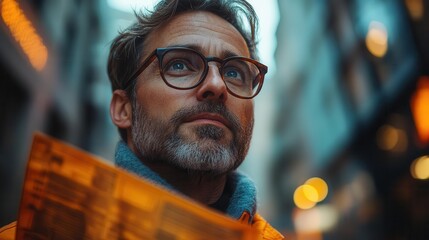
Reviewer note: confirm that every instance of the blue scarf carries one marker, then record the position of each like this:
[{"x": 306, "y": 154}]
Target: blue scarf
[{"x": 239, "y": 195}]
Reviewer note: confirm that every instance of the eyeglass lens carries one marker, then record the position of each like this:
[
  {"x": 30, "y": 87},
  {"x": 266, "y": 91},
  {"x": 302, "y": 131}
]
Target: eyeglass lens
[{"x": 183, "y": 68}]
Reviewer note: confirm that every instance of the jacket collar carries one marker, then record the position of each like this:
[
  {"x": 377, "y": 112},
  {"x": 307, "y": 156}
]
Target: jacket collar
[{"x": 239, "y": 195}]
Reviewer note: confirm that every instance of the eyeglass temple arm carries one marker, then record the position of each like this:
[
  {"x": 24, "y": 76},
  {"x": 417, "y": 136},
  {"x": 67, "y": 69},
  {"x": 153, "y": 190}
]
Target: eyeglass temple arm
[{"x": 145, "y": 64}]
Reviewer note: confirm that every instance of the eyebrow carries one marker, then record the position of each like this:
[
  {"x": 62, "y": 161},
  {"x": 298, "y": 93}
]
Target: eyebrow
[{"x": 224, "y": 54}]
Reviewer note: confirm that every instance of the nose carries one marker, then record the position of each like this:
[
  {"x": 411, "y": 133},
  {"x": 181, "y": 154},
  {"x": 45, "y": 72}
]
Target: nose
[{"x": 213, "y": 87}]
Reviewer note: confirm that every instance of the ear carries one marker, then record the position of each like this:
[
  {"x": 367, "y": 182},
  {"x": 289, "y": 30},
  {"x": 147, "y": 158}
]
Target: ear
[{"x": 120, "y": 109}]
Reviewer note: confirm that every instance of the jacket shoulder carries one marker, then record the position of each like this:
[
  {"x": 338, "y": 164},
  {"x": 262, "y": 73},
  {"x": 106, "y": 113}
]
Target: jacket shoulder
[
  {"x": 7, "y": 232},
  {"x": 265, "y": 229}
]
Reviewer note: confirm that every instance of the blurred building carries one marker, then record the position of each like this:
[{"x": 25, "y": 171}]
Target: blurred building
[
  {"x": 352, "y": 109},
  {"x": 53, "y": 70}
]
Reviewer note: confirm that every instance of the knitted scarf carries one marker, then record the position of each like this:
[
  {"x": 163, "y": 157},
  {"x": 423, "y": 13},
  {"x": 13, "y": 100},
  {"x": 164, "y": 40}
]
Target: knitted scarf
[{"x": 239, "y": 195}]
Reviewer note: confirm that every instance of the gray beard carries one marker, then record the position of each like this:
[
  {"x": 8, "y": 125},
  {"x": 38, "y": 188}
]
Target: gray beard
[{"x": 159, "y": 140}]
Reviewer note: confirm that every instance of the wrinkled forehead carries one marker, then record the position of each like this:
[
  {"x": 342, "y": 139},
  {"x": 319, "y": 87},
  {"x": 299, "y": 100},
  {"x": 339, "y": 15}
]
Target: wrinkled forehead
[{"x": 210, "y": 33}]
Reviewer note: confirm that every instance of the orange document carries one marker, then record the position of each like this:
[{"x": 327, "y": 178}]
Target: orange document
[{"x": 71, "y": 194}]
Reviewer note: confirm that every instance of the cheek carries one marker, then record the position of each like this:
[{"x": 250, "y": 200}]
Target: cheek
[
  {"x": 250, "y": 114},
  {"x": 246, "y": 114},
  {"x": 159, "y": 100}
]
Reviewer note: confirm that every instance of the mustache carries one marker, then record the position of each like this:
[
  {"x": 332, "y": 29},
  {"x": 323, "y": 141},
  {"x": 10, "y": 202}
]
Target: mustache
[{"x": 207, "y": 107}]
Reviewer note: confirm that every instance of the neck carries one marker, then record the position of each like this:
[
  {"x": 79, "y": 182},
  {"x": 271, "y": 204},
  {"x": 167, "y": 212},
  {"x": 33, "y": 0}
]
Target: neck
[{"x": 202, "y": 187}]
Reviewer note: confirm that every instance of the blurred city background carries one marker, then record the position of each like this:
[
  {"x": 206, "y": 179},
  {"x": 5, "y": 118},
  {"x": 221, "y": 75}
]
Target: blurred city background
[{"x": 341, "y": 142}]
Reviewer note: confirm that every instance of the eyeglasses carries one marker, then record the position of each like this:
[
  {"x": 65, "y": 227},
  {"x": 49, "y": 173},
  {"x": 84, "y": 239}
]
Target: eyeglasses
[{"x": 185, "y": 68}]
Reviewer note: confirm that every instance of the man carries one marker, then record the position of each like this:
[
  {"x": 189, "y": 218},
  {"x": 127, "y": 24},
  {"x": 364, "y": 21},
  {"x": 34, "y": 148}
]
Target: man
[{"x": 183, "y": 78}]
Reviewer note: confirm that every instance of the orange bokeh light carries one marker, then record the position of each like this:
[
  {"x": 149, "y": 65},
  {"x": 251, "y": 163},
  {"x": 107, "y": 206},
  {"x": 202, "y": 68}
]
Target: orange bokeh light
[
  {"x": 377, "y": 39},
  {"x": 301, "y": 195},
  {"x": 420, "y": 168},
  {"x": 420, "y": 108},
  {"x": 314, "y": 190},
  {"x": 320, "y": 186},
  {"x": 24, "y": 33}
]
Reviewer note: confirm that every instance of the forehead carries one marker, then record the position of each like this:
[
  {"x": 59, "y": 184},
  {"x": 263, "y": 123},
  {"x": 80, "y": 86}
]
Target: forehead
[{"x": 207, "y": 31}]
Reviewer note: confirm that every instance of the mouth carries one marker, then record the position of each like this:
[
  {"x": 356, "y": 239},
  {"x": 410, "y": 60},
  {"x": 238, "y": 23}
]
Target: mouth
[{"x": 209, "y": 118}]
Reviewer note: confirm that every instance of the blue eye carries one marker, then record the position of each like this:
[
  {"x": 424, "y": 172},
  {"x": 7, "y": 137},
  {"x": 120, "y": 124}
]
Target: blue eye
[
  {"x": 178, "y": 66},
  {"x": 231, "y": 74}
]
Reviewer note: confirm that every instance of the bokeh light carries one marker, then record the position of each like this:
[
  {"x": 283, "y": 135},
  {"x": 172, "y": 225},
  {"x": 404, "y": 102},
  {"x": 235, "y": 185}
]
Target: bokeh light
[
  {"x": 311, "y": 192},
  {"x": 393, "y": 139},
  {"x": 420, "y": 108},
  {"x": 415, "y": 8},
  {"x": 300, "y": 197},
  {"x": 24, "y": 33},
  {"x": 420, "y": 168},
  {"x": 318, "y": 219},
  {"x": 320, "y": 186},
  {"x": 376, "y": 39}
]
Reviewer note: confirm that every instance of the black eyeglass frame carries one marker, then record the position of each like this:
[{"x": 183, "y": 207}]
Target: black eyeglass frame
[{"x": 159, "y": 53}]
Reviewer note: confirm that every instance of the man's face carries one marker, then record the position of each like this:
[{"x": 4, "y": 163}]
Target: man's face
[{"x": 201, "y": 129}]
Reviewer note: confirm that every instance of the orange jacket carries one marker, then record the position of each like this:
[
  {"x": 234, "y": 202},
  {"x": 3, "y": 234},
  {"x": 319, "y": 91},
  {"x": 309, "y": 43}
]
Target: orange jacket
[
  {"x": 8, "y": 232},
  {"x": 264, "y": 229}
]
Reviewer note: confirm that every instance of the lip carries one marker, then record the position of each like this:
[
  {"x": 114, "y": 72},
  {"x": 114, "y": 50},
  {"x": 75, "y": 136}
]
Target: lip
[{"x": 210, "y": 118}]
